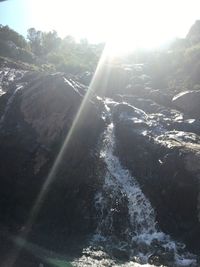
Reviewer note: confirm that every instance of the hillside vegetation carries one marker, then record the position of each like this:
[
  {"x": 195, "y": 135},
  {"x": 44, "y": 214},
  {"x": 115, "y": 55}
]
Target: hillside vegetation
[
  {"x": 47, "y": 50},
  {"x": 175, "y": 67}
]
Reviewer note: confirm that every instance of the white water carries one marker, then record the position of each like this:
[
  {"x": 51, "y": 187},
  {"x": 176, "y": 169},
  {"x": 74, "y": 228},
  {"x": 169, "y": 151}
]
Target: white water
[
  {"x": 141, "y": 232},
  {"x": 118, "y": 179}
]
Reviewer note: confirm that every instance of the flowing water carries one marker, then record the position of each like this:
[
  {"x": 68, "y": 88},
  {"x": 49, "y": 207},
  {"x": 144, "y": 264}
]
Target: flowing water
[
  {"x": 127, "y": 221},
  {"x": 127, "y": 233}
]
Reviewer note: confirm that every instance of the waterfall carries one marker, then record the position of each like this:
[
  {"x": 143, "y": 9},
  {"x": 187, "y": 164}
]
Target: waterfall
[
  {"x": 119, "y": 182},
  {"x": 136, "y": 227}
]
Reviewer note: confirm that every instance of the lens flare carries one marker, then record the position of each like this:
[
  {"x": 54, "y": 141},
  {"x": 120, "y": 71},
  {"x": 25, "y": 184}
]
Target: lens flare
[{"x": 101, "y": 71}]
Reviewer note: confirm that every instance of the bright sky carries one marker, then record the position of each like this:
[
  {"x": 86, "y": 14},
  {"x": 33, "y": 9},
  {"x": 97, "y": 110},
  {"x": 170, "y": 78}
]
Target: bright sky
[{"x": 148, "y": 22}]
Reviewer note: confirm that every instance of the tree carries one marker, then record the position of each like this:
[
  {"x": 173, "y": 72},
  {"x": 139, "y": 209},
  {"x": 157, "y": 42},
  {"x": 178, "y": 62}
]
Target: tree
[
  {"x": 50, "y": 41},
  {"x": 7, "y": 34},
  {"x": 35, "y": 41}
]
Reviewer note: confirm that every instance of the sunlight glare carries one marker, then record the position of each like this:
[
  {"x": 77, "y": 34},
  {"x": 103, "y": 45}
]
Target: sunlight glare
[
  {"x": 139, "y": 25},
  {"x": 78, "y": 120},
  {"x": 124, "y": 25}
]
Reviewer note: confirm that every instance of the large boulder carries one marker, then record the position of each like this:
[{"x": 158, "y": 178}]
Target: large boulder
[
  {"x": 165, "y": 160},
  {"x": 188, "y": 102},
  {"x": 41, "y": 115}
]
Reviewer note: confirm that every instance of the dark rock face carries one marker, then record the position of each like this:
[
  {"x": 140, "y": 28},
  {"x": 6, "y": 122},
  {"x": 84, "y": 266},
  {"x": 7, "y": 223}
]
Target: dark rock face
[
  {"x": 37, "y": 115},
  {"x": 162, "y": 152},
  {"x": 161, "y": 258},
  {"x": 188, "y": 102},
  {"x": 43, "y": 114},
  {"x": 160, "y": 146}
]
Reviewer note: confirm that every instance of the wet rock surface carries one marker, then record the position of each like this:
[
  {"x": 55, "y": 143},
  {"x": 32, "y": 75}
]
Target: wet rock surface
[
  {"x": 188, "y": 102},
  {"x": 144, "y": 180},
  {"x": 36, "y": 116},
  {"x": 161, "y": 148}
]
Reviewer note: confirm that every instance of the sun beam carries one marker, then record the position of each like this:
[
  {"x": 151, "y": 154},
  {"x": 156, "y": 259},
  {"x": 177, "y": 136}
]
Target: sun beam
[
  {"x": 124, "y": 26},
  {"x": 79, "y": 118},
  {"x": 138, "y": 25}
]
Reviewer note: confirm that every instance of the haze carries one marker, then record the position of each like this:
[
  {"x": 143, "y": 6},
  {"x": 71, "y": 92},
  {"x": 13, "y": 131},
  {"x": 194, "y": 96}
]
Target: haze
[{"x": 137, "y": 23}]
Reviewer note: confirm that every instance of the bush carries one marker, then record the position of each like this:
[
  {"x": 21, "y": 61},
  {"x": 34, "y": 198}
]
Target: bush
[{"x": 24, "y": 55}]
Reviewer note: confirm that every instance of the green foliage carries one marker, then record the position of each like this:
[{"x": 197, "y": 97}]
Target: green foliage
[
  {"x": 176, "y": 67},
  {"x": 10, "y": 50},
  {"x": 35, "y": 41},
  {"x": 186, "y": 55},
  {"x": 7, "y": 34},
  {"x": 65, "y": 54},
  {"x": 192, "y": 52},
  {"x": 25, "y": 56},
  {"x": 50, "y": 41},
  {"x": 5, "y": 49},
  {"x": 14, "y": 45},
  {"x": 48, "y": 51}
]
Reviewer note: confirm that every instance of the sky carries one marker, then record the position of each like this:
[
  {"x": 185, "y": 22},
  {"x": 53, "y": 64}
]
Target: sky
[{"x": 146, "y": 21}]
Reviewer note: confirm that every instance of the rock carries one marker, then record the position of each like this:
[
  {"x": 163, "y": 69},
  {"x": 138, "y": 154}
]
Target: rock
[
  {"x": 161, "y": 258},
  {"x": 165, "y": 163},
  {"x": 86, "y": 77},
  {"x": 9, "y": 76},
  {"x": 186, "y": 125},
  {"x": 36, "y": 117},
  {"x": 49, "y": 106},
  {"x": 155, "y": 260},
  {"x": 126, "y": 112},
  {"x": 147, "y": 105},
  {"x": 43, "y": 114},
  {"x": 120, "y": 254},
  {"x": 188, "y": 102},
  {"x": 160, "y": 97}
]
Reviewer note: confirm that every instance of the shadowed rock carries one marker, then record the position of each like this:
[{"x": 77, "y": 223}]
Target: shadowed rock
[
  {"x": 36, "y": 115},
  {"x": 165, "y": 163},
  {"x": 188, "y": 102}
]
